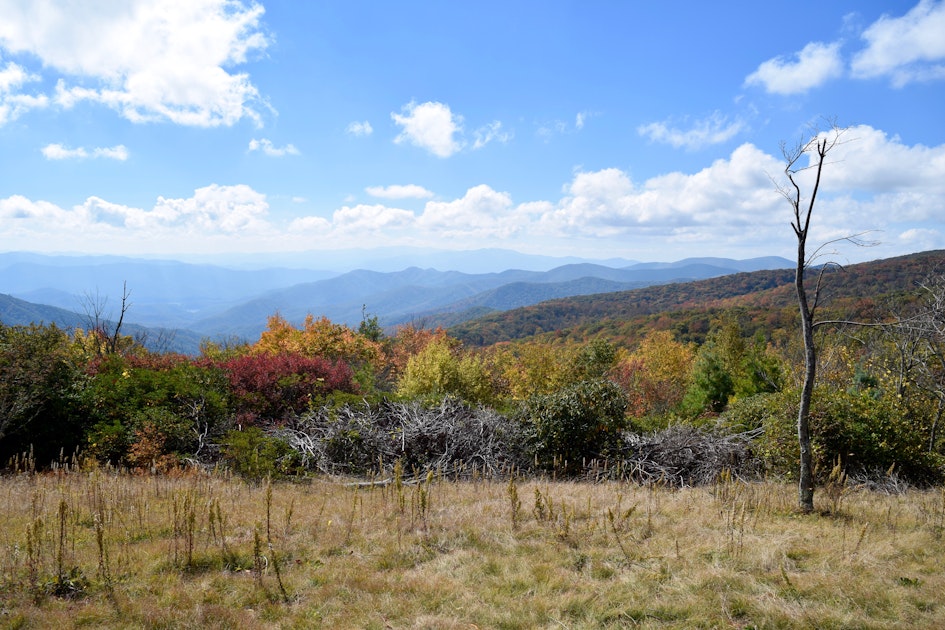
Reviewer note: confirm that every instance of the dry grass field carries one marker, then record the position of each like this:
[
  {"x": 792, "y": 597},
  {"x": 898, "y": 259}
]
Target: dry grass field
[{"x": 104, "y": 550}]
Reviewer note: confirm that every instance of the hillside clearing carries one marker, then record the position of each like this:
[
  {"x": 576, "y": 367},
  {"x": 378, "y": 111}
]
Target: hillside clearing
[{"x": 111, "y": 550}]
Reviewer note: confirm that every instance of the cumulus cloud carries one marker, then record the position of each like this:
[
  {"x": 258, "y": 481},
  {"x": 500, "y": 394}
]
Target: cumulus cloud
[
  {"x": 905, "y": 49},
  {"x": 814, "y": 65},
  {"x": 869, "y": 160},
  {"x": 434, "y": 127},
  {"x": 714, "y": 129},
  {"x": 359, "y": 128},
  {"x": 150, "y": 60},
  {"x": 214, "y": 213},
  {"x": 607, "y": 203},
  {"x": 481, "y": 213},
  {"x": 409, "y": 191},
  {"x": 60, "y": 152},
  {"x": 873, "y": 181},
  {"x": 431, "y": 126},
  {"x": 268, "y": 148}
]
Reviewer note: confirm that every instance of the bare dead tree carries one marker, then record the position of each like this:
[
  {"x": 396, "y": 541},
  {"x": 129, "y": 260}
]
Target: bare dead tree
[
  {"x": 816, "y": 149},
  {"x": 97, "y": 318}
]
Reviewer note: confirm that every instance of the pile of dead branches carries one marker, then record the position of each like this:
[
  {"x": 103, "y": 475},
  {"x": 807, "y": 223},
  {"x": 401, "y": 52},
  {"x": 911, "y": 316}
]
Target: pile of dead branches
[
  {"x": 460, "y": 441},
  {"x": 451, "y": 438},
  {"x": 681, "y": 456}
]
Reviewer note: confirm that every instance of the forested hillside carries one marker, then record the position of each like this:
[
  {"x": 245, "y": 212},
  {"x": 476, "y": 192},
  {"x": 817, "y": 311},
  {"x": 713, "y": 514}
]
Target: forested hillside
[{"x": 770, "y": 289}]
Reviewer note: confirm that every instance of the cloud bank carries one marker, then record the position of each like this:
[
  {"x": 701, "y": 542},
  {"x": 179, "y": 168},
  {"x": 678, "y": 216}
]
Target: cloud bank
[{"x": 873, "y": 182}]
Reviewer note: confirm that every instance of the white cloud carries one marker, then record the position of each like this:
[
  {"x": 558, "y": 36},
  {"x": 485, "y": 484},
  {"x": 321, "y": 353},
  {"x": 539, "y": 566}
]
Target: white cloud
[
  {"x": 730, "y": 207},
  {"x": 547, "y": 130},
  {"x": 871, "y": 182},
  {"x": 268, "y": 148},
  {"x": 431, "y": 126},
  {"x": 364, "y": 218},
  {"x": 722, "y": 199},
  {"x": 434, "y": 127},
  {"x": 409, "y": 191},
  {"x": 814, "y": 65},
  {"x": 481, "y": 213},
  {"x": 151, "y": 60},
  {"x": 13, "y": 76},
  {"x": 359, "y": 128},
  {"x": 13, "y": 104},
  {"x": 488, "y": 133},
  {"x": 906, "y": 49},
  {"x": 60, "y": 152},
  {"x": 213, "y": 214},
  {"x": 869, "y": 160},
  {"x": 918, "y": 239},
  {"x": 712, "y": 130}
]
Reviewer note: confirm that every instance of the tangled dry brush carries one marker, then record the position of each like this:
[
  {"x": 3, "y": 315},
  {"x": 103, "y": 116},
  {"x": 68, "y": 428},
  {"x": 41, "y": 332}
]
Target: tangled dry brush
[{"x": 462, "y": 441}]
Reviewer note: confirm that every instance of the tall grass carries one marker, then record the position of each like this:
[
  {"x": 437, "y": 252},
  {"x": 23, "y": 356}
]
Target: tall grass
[{"x": 101, "y": 549}]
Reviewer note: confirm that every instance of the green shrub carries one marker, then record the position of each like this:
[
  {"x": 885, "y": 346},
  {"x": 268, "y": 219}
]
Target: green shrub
[
  {"x": 440, "y": 371},
  {"x": 865, "y": 433},
  {"x": 252, "y": 454},
  {"x": 578, "y": 422}
]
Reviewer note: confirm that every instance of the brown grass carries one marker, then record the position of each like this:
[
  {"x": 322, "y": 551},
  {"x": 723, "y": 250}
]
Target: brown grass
[{"x": 106, "y": 550}]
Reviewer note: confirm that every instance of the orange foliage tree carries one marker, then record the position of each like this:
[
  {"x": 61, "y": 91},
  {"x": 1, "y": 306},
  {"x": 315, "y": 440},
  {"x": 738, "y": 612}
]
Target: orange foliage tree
[
  {"x": 411, "y": 340},
  {"x": 319, "y": 338},
  {"x": 656, "y": 375}
]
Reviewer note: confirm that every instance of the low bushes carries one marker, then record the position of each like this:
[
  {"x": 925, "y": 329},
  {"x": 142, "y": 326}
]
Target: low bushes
[{"x": 868, "y": 435}]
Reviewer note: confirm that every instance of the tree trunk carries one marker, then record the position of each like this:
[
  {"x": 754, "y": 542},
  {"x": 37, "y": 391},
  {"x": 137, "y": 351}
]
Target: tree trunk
[
  {"x": 805, "y": 478},
  {"x": 801, "y": 224}
]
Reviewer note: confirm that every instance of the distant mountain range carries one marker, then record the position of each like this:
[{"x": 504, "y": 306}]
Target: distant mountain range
[{"x": 188, "y": 301}]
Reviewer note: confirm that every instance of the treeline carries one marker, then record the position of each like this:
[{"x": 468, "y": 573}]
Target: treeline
[{"x": 324, "y": 397}]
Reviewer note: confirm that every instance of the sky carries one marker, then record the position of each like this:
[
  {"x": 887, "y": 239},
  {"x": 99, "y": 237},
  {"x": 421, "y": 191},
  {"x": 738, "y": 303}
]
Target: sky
[{"x": 650, "y": 131}]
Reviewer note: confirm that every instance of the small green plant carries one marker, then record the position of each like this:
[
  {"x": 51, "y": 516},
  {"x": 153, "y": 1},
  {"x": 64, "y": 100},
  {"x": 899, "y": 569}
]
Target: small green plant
[
  {"x": 725, "y": 490},
  {"x": 541, "y": 508},
  {"x": 258, "y": 558},
  {"x": 184, "y": 507},
  {"x": 217, "y": 525},
  {"x": 835, "y": 489},
  {"x": 272, "y": 552},
  {"x": 399, "y": 486},
  {"x": 33, "y": 538},
  {"x": 514, "y": 503},
  {"x": 613, "y": 521},
  {"x": 104, "y": 570}
]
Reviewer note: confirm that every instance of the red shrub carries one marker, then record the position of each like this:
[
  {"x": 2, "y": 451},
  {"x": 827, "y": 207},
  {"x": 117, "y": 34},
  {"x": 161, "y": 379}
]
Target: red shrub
[{"x": 271, "y": 388}]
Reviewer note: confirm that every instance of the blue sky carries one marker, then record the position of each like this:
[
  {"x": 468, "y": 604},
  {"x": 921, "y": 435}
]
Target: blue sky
[{"x": 643, "y": 130}]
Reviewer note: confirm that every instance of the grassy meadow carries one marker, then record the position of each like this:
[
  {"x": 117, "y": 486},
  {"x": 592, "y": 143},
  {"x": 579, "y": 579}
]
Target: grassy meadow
[{"x": 106, "y": 550}]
